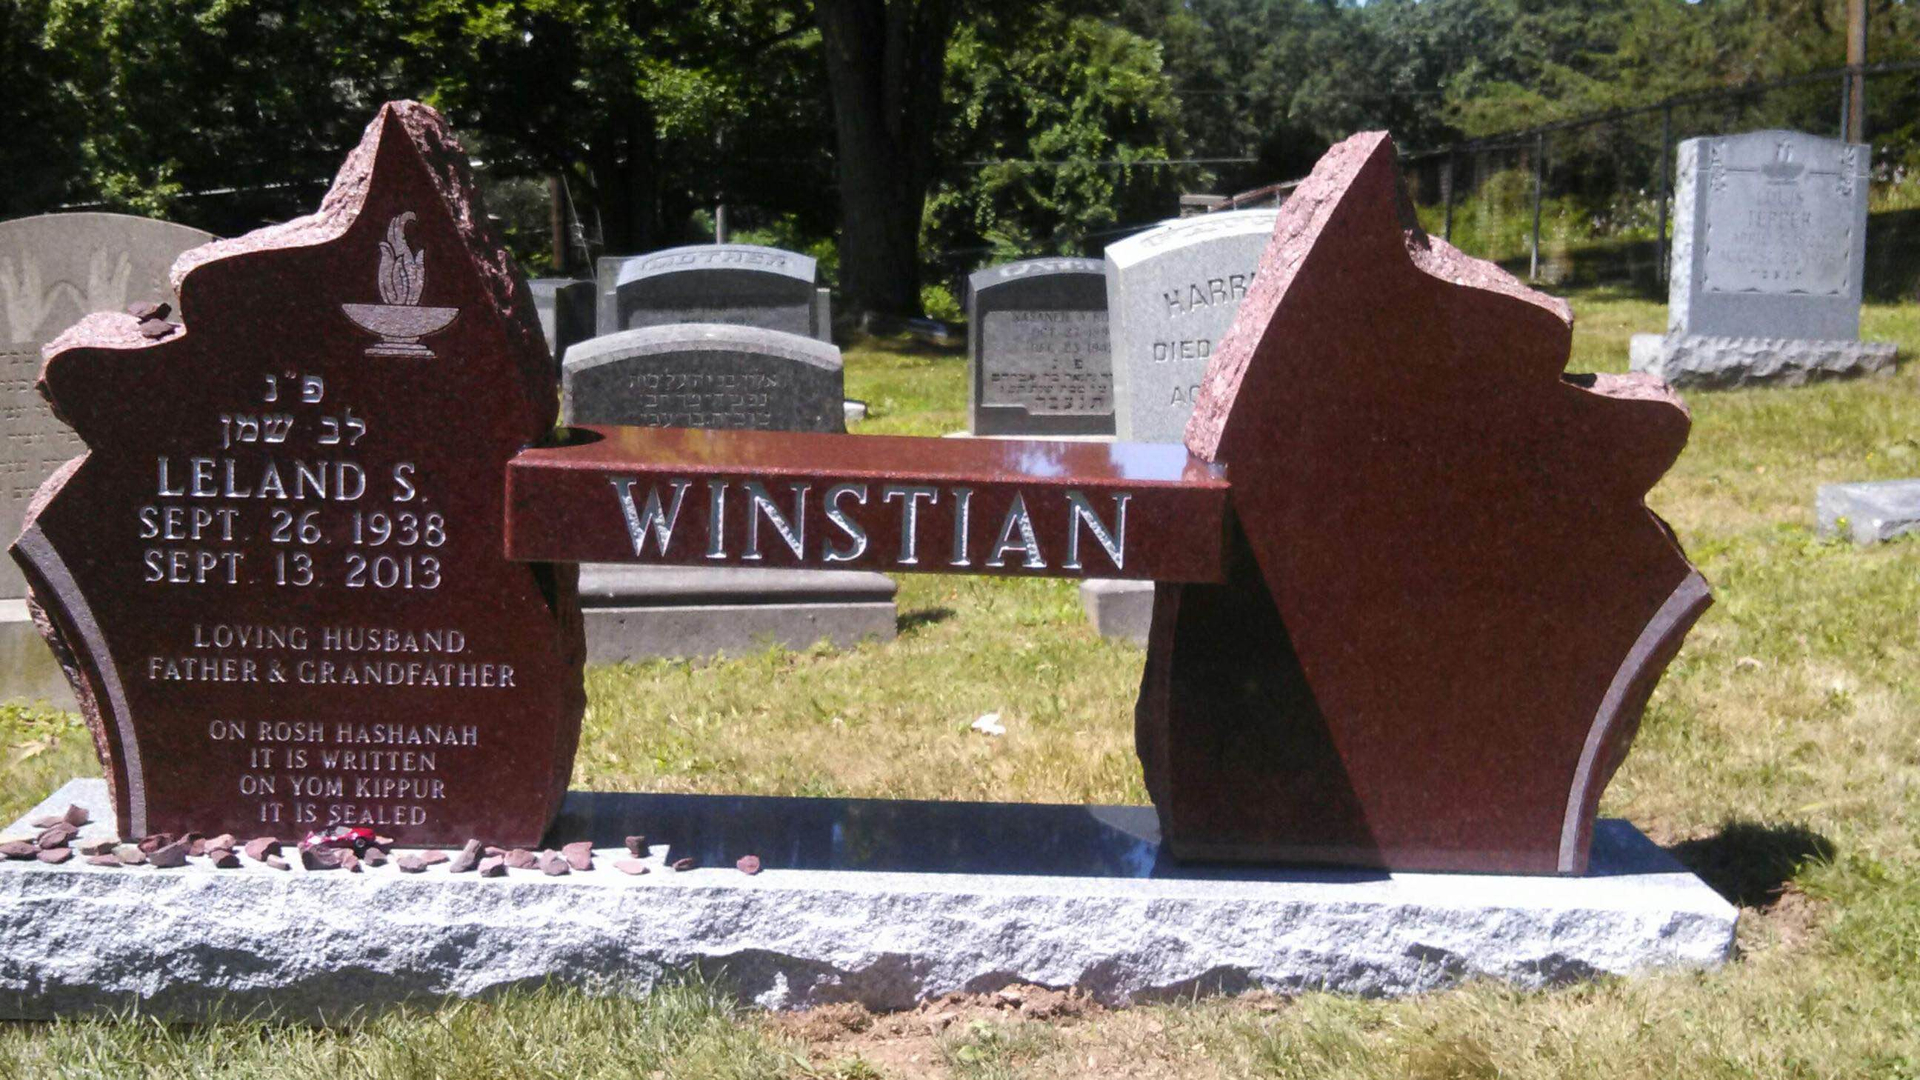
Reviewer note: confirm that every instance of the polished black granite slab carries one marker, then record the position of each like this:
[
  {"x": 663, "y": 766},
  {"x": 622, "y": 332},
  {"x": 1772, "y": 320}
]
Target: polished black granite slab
[{"x": 906, "y": 836}]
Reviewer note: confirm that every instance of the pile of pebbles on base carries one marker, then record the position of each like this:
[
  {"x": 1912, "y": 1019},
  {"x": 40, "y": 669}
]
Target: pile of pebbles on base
[{"x": 55, "y": 844}]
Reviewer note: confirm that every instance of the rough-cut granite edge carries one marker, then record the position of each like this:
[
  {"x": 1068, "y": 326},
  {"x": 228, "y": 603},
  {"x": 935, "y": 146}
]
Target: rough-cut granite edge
[
  {"x": 1301, "y": 219},
  {"x": 1707, "y": 361},
  {"x": 189, "y": 941}
]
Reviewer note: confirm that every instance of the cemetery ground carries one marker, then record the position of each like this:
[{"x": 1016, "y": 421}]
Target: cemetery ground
[{"x": 1780, "y": 758}]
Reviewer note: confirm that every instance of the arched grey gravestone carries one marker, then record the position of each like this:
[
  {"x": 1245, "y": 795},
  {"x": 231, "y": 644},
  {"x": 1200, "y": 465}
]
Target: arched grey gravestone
[
  {"x": 704, "y": 375},
  {"x": 54, "y": 269},
  {"x": 1038, "y": 355},
  {"x": 1173, "y": 292},
  {"x": 739, "y": 284}
]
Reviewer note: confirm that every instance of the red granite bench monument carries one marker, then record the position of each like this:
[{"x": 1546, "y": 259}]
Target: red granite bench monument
[{"x": 314, "y": 569}]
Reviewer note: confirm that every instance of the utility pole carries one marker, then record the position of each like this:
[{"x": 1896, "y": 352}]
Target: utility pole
[
  {"x": 1539, "y": 180},
  {"x": 1666, "y": 192},
  {"x": 1856, "y": 127},
  {"x": 557, "y": 222}
]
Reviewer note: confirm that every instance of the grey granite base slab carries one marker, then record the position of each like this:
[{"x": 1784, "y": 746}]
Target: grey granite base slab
[
  {"x": 1868, "y": 513},
  {"x": 1708, "y": 362},
  {"x": 28, "y": 671},
  {"x": 643, "y": 612},
  {"x": 881, "y": 902},
  {"x": 1119, "y": 609}
]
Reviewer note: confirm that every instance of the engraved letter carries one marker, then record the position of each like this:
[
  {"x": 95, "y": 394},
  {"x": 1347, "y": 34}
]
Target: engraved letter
[
  {"x": 1017, "y": 518},
  {"x": 793, "y": 533},
  {"x": 844, "y": 523},
  {"x": 910, "y": 516},
  {"x": 638, "y": 524},
  {"x": 1115, "y": 543},
  {"x": 962, "y": 518},
  {"x": 716, "y": 519}
]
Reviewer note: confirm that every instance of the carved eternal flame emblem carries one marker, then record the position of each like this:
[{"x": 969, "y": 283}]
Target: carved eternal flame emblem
[
  {"x": 401, "y": 322},
  {"x": 276, "y": 576}
]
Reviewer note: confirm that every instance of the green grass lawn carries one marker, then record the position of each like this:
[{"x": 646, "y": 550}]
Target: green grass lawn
[{"x": 1781, "y": 757}]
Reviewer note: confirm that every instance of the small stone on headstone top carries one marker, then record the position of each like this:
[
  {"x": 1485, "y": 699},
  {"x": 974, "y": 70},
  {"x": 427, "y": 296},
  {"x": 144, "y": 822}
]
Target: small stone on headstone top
[
  {"x": 630, "y": 866},
  {"x": 522, "y": 859},
  {"x": 748, "y": 864},
  {"x": 77, "y": 816},
  {"x": 433, "y": 858},
  {"x": 683, "y": 865},
  {"x": 102, "y": 845},
  {"x": 465, "y": 859},
  {"x": 55, "y": 855},
  {"x": 130, "y": 855},
  {"x": 637, "y": 846},
  {"x": 103, "y": 860},
  {"x": 47, "y": 821},
  {"x": 553, "y": 865},
  {"x": 155, "y": 841},
  {"x": 493, "y": 866},
  {"x": 223, "y": 858},
  {"x": 262, "y": 846},
  {"x": 411, "y": 864},
  {"x": 58, "y": 836},
  {"x": 579, "y": 854},
  {"x": 19, "y": 849},
  {"x": 166, "y": 858}
]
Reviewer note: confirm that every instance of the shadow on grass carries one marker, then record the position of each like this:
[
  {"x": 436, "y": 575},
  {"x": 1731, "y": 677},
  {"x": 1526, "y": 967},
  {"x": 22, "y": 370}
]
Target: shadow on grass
[
  {"x": 906, "y": 345},
  {"x": 1749, "y": 863},
  {"x": 911, "y": 621}
]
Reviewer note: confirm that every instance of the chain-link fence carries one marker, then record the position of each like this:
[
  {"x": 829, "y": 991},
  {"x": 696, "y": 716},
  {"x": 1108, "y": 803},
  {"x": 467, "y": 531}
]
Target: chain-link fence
[{"x": 1588, "y": 202}]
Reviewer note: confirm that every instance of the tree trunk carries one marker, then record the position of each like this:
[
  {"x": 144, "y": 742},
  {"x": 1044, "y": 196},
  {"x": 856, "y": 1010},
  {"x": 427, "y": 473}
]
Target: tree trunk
[
  {"x": 886, "y": 60},
  {"x": 625, "y": 182}
]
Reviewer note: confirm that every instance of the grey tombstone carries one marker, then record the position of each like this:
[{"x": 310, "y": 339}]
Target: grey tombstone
[
  {"x": 1172, "y": 292},
  {"x": 1769, "y": 253},
  {"x": 714, "y": 376},
  {"x": 823, "y": 314},
  {"x": 1038, "y": 349},
  {"x": 706, "y": 375},
  {"x": 741, "y": 284},
  {"x": 54, "y": 269},
  {"x": 606, "y": 274},
  {"x": 565, "y": 306},
  {"x": 1868, "y": 513}
]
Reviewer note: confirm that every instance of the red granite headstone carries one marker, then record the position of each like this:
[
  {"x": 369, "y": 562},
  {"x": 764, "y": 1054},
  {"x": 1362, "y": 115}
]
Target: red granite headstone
[
  {"x": 277, "y": 575},
  {"x": 1446, "y": 602}
]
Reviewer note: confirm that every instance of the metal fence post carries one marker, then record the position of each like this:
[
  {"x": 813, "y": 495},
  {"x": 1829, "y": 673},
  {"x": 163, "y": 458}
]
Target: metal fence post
[
  {"x": 1446, "y": 182},
  {"x": 1539, "y": 177}
]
